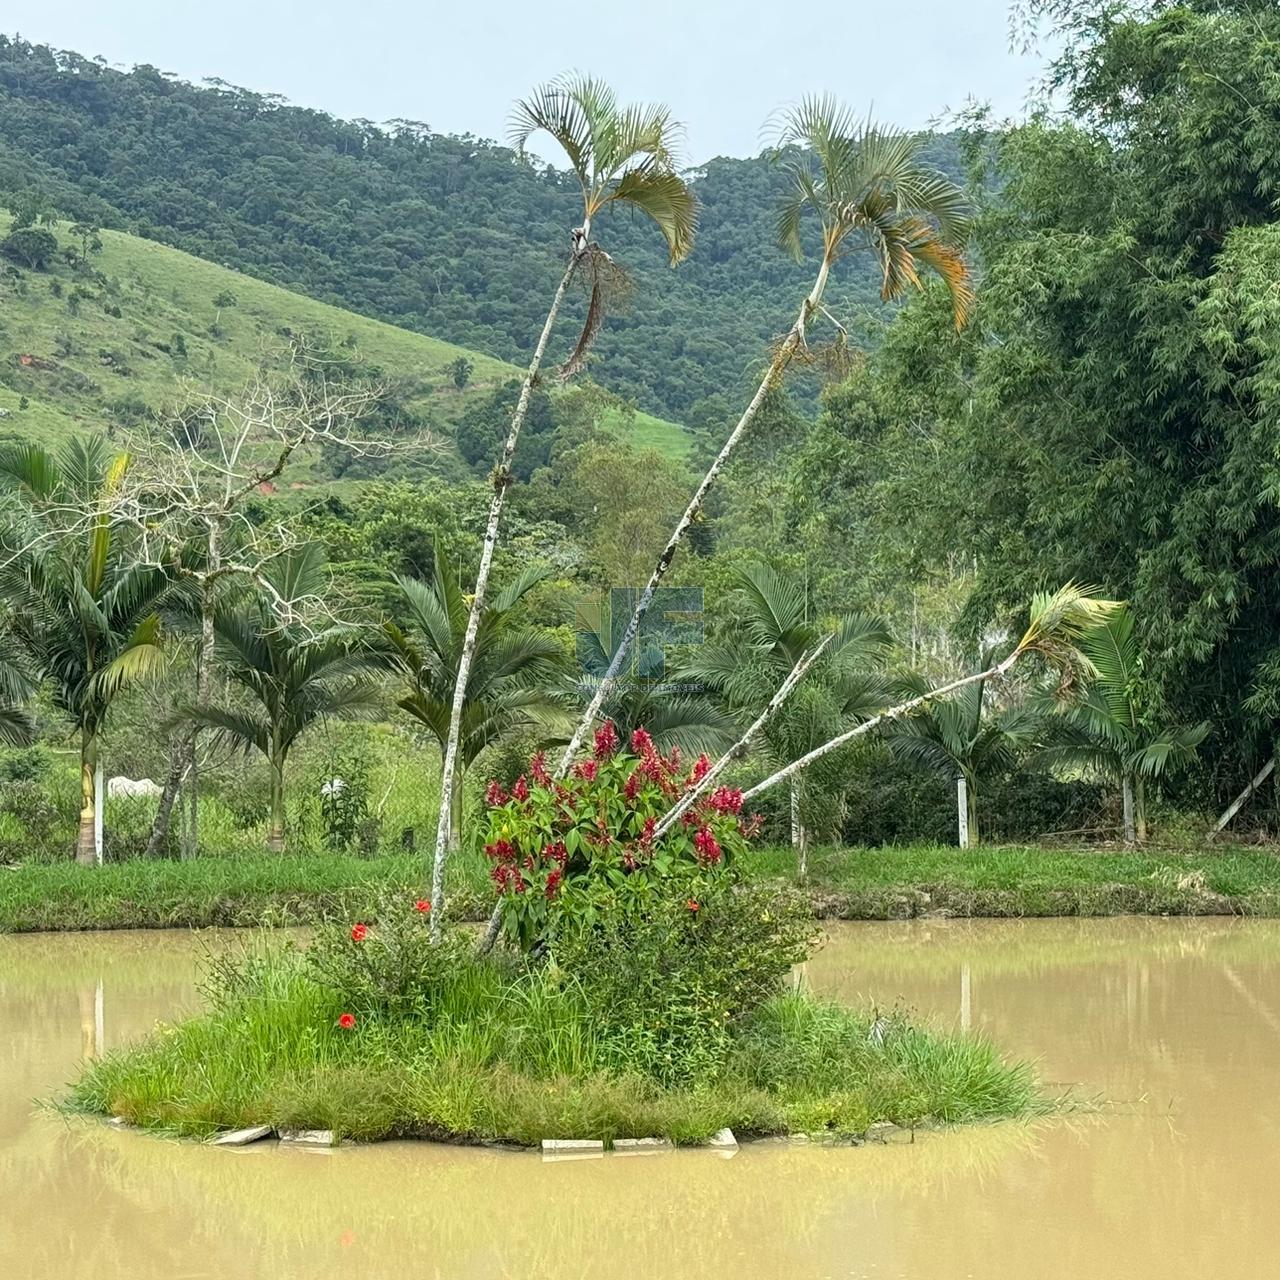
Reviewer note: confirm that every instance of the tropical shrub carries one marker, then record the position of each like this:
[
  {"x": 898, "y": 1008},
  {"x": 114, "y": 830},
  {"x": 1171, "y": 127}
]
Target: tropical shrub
[
  {"x": 584, "y": 847},
  {"x": 667, "y": 987}
]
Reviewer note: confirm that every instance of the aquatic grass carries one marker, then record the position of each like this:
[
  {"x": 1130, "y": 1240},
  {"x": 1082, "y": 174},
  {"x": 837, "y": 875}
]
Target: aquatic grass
[{"x": 515, "y": 1056}]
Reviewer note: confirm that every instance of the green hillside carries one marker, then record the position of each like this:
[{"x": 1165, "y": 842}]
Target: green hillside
[{"x": 106, "y": 342}]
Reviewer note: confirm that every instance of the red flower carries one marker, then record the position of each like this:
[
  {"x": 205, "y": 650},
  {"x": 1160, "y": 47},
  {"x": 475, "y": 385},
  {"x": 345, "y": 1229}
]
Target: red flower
[
  {"x": 494, "y": 794},
  {"x": 346, "y": 1021},
  {"x": 631, "y": 788},
  {"x": 521, "y": 790},
  {"x": 606, "y": 740},
  {"x": 646, "y": 836},
  {"x": 726, "y": 800},
  {"x": 500, "y": 851},
  {"x": 556, "y": 853},
  {"x": 538, "y": 768},
  {"x": 553, "y": 881},
  {"x": 692, "y": 904},
  {"x": 700, "y": 767},
  {"x": 586, "y": 770},
  {"x": 750, "y": 829},
  {"x": 641, "y": 743},
  {"x": 422, "y": 906},
  {"x": 359, "y": 932},
  {"x": 706, "y": 847}
]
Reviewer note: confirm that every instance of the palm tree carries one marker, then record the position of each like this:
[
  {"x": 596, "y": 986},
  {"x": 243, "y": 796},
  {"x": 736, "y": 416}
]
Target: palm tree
[
  {"x": 624, "y": 156},
  {"x": 772, "y": 615},
  {"x": 83, "y": 614},
  {"x": 1057, "y": 625},
  {"x": 866, "y": 187},
  {"x": 17, "y": 726},
  {"x": 514, "y": 668},
  {"x": 1104, "y": 729},
  {"x": 958, "y": 739},
  {"x": 293, "y": 676}
]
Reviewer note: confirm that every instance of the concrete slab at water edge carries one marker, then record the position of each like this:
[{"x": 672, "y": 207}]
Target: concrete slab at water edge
[
  {"x": 242, "y": 1137},
  {"x": 308, "y": 1138}
]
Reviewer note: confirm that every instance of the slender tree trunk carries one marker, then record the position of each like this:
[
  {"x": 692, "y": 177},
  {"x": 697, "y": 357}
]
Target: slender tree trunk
[
  {"x": 86, "y": 842},
  {"x": 455, "y": 819},
  {"x": 799, "y": 836},
  {"x": 158, "y": 841},
  {"x": 975, "y": 837},
  {"x": 1126, "y": 791},
  {"x": 276, "y": 838},
  {"x": 1140, "y": 808},
  {"x": 962, "y": 812},
  {"x": 1238, "y": 803},
  {"x": 501, "y": 481},
  {"x": 869, "y": 726},
  {"x": 777, "y": 367}
]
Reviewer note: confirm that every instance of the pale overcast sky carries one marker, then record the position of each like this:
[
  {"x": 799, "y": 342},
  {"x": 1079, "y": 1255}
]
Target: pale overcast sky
[{"x": 721, "y": 65}]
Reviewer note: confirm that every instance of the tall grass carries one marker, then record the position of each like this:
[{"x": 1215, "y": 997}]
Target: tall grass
[{"x": 513, "y": 1055}]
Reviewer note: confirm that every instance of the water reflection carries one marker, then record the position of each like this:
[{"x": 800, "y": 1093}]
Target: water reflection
[{"x": 1177, "y": 1022}]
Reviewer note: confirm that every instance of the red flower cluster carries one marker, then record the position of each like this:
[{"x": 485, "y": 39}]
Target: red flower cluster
[
  {"x": 359, "y": 932},
  {"x": 606, "y": 741},
  {"x": 346, "y": 1021},
  {"x": 693, "y": 905},
  {"x": 553, "y": 882},
  {"x": 422, "y": 906},
  {"x": 706, "y": 848},
  {"x": 751, "y": 828},
  {"x": 700, "y": 768},
  {"x": 586, "y": 770},
  {"x": 494, "y": 796},
  {"x": 520, "y": 791},
  {"x": 538, "y": 768},
  {"x": 642, "y": 744},
  {"x": 726, "y": 800}
]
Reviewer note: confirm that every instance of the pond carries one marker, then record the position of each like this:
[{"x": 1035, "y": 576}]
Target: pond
[{"x": 1176, "y": 1023}]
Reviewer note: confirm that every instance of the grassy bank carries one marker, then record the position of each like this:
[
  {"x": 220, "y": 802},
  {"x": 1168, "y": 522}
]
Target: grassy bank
[
  {"x": 501, "y": 1053},
  {"x": 849, "y": 884}
]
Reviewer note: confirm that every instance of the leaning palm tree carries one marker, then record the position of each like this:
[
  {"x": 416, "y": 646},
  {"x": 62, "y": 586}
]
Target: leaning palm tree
[
  {"x": 959, "y": 738},
  {"x": 774, "y": 631},
  {"x": 293, "y": 676},
  {"x": 514, "y": 671},
  {"x": 620, "y": 156},
  {"x": 864, "y": 186},
  {"x": 1104, "y": 730},
  {"x": 82, "y": 612},
  {"x": 1057, "y": 625}
]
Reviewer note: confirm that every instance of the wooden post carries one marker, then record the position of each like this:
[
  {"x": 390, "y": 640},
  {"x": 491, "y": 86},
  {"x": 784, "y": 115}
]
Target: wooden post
[{"x": 962, "y": 810}]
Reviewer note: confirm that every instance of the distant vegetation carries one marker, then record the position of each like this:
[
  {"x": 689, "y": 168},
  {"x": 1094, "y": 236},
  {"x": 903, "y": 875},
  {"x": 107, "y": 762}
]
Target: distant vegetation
[{"x": 451, "y": 236}]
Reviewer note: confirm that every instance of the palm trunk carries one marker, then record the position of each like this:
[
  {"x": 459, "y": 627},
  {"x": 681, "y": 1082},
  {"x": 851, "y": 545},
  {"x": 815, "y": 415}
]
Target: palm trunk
[
  {"x": 86, "y": 835},
  {"x": 455, "y": 817},
  {"x": 275, "y": 838},
  {"x": 777, "y": 367},
  {"x": 869, "y": 726},
  {"x": 1140, "y": 808},
  {"x": 799, "y": 837},
  {"x": 501, "y": 481},
  {"x": 1126, "y": 791},
  {"x": 975, "y": 838},
  {"x": 962, "y": 812}
]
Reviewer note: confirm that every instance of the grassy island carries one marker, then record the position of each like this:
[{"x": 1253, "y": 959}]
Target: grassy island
[{"x": 505, "y": 1054}]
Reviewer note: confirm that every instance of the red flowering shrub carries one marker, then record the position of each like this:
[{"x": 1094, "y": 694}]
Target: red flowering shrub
[{"x": 568, "y": 845}]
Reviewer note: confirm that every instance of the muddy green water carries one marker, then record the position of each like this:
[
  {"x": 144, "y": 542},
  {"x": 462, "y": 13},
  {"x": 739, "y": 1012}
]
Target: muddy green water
[{"x": 1176, "y": 1022}]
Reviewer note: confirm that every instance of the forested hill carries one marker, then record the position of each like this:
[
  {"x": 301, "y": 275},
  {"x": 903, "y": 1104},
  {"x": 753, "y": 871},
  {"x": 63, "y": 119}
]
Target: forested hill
[{"x": 451, "y": 236}]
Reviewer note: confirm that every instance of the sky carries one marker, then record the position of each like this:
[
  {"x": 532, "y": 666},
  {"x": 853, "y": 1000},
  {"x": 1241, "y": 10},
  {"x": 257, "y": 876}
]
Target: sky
[{"x": 721, "y": 65}]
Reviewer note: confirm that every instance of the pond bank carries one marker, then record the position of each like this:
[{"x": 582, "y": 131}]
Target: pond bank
[{"x": 845, "y": 884}]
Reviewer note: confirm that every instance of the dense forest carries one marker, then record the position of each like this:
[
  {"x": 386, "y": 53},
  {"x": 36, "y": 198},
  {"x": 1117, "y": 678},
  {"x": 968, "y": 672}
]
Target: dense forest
[
  {"x": 1108, "y": 414},
  {"x": 452, "y": 236}
]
